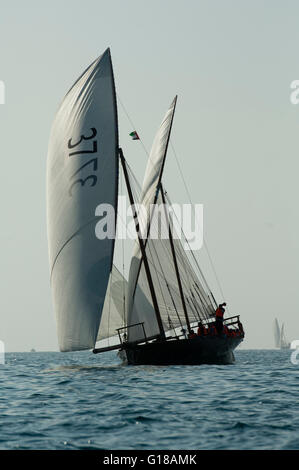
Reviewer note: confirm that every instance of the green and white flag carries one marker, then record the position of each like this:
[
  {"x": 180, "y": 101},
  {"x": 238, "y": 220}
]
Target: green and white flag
[{"x": 134, "y": 135}]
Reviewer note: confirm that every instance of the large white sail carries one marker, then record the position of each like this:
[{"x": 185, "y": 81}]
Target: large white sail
[
  {"x": 82, "y": 173},
  {"x": 140, "y": 308},
  {"x": 160, "y": 258},
  {"x": 161, "y": 262}
]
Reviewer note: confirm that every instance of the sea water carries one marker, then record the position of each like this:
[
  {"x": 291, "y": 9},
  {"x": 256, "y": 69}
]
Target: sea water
[{"x": 85, "y": 401}]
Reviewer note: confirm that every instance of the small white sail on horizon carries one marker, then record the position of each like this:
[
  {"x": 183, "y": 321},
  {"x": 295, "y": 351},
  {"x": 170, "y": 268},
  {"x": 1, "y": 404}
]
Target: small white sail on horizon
[
  {"x": 280, "y": 340},
  {"x": 276, "y": 333}
]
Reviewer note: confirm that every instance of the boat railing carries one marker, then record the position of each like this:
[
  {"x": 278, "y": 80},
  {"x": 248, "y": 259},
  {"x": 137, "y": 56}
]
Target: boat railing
[
  {"x": 230, "y": 321},
  {"x": 235, "y": 320},
  {"x": 123, "y": 338}
]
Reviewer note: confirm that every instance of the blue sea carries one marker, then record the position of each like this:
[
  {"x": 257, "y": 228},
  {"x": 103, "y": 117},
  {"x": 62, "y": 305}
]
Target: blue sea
[{"x": 85, "y": 401}]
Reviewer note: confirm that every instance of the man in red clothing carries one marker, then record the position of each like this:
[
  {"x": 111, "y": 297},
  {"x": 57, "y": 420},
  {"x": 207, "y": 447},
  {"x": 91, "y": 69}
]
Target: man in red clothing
[
  {"x": 200, "y": 330},
  {"x": 192, "y": 334},
  {"x": 219, "y": 318}
]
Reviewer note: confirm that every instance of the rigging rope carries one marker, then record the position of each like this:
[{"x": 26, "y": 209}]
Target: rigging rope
[
  {"x": 202, "y": 306},
  {"x": 161, "y": 274},
  {"x": 109, "y": 308},
  {"x": 123, "y": 260},
  {"x": 190, "y": 201},
  {"x": 131, "y": 122},
  {"x": 131, "y": 173}
]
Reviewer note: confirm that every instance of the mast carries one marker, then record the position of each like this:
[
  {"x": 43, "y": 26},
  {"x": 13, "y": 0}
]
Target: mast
[
  {"x": 166, "y": 146},
  {"x": 142, "y": 248},
  {"x": 160, "y": 174},
  {"x": 176, "y": 266}
]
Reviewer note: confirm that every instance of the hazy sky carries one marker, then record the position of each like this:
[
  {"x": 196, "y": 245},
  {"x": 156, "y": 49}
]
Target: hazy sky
[{"x": 235, "y": 132}]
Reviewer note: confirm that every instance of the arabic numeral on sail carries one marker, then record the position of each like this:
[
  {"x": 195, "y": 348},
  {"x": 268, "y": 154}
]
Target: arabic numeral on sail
[
  {"x": 71, "y": 145},
  {"x": 91, "y": 179},
  {"x": 94, "y": 149},
  {"x": 94, "y": 161},
  {"x": 81, "y": 182}
]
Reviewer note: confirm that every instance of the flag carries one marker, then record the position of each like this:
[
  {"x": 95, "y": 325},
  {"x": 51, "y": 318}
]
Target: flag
[{"x": 134, "y": 135}]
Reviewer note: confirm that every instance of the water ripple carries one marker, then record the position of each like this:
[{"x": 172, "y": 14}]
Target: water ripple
[{"x": 80, "y": 401}]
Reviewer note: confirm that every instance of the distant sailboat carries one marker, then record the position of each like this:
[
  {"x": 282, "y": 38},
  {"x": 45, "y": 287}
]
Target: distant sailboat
[
  {"x": 92, "y": 299},
  {"x": 279, "y": 336}
]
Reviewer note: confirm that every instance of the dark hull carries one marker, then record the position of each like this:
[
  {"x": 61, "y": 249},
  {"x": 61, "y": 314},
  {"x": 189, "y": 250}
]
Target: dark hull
[{"x": 200, "y": 350}]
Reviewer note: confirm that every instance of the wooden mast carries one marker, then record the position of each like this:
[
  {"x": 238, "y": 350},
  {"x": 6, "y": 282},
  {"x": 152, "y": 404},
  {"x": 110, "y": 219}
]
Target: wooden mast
[
  {"x": 176, "y": 265},
  {"x": 142, "y": 248}
]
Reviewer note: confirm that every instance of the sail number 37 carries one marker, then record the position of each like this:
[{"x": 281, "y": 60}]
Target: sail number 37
[{"x": 91, "y": 179}]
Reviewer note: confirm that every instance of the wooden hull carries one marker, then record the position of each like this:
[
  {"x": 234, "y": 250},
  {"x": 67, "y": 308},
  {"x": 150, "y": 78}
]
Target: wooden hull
[{"x": 195, "y": 351}]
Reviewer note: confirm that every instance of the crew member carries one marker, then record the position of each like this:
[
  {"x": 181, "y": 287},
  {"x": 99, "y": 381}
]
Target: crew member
[
  {"x": 192, "y": 334},
  {"x": 240, "y": 326},
  {"x": 184, "y": 332},
  {"x": 219, "y": 318},
  {"x": 200, "y": 329}
]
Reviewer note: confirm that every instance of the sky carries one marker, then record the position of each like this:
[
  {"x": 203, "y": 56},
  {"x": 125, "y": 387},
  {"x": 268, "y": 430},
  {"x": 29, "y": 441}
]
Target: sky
[{"x": 236, "y": 133}]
